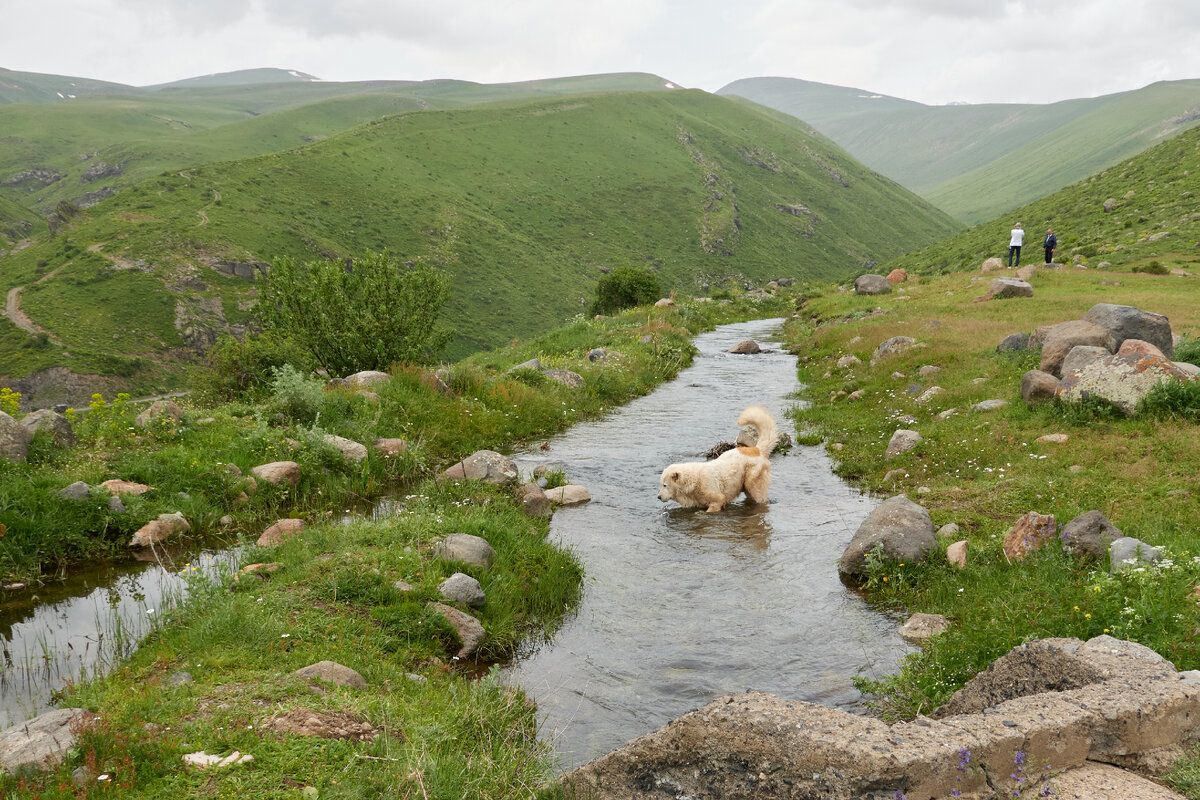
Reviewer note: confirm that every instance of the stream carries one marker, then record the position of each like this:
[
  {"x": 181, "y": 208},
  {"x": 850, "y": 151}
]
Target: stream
[{"x": 679, "y": 606}]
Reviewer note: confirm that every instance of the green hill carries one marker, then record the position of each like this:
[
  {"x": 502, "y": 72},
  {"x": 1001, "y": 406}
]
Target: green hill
[
  {"x": 524, "y": 204},
  {"x": 977, "y": 161},
  {"x": 1133, "y": 215},
  {"x": 89, "y": 148}
]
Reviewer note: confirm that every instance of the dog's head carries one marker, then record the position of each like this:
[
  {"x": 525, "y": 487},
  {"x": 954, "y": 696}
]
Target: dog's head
[{"x": 667, "y": 483}]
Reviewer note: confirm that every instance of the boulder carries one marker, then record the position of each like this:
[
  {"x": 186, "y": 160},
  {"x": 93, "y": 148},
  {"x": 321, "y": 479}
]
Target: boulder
[
  {"x": 745, "y": 347},
  {"x": 76, "y": 491},
  {"x": 1038, "y": 386},
  {"x": 1081, "y": 357},
  {"x": 157, "y": 530},
  {"x": 352, "y": 452},
  {"x": 1016, "y": 343},
  {"x": 14, "y": 439},
  {"x": 900, "y": 525},
  {"x": 568, "y": 495},
  {"x": 483, "y": 465},
  {"x": 159, "y": 411},
  {"x": 992, "y": 265},
  {"x": 470, "y": 631},
  {"x": 333, "y": 672},
  {"x": 1060, "y": 338},
  {"x": 278, "y": 472},
  {"x": 279, "y": 532},
  {"x": 1027, "y": 272},
  {"x": 872, "y": 284},
  {"x": 891, "y": 347},
  {"x": 1131, "y": 347},
  {"x": 42, "y": 741},
  {"x": 534, "y": 501},
  {"x": 390, "y": 448},
  {"x": 901, "y": 442},
  {"x": 956, "y": 554},
  {"x": 365, "y": 379},
  {"x": 466, "y": 549},
  {"x": 1090, "y": 535},
  {"x": 1029, "y": 534},
  {"x": 921, "y": 628},
  {"x": 462, "y": 588},
  {"x": 1002, "y": 288},
  {"x": 897, "y": 276},
  {"x": 46, "y": 419},
  {"x": 117, "y": 486},
  {"x": 566, "y": 377},
  {"x": 1128, "y": 552},
  {"x": 1120, "y": 380},
  {"x": 1127, "y": 322}
]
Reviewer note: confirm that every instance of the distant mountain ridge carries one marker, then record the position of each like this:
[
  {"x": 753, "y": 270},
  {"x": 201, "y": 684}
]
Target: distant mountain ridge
[{"x": 977, "y": 161}]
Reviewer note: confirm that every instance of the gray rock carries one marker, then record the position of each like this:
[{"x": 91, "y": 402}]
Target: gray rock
[
  {"x": 565, "y": 376},
  {"x": 462, "y": 588},
  {"x": 989, "y": 405},
  {"x": 745, "y": 347},
  {"x": 42, "y": 741},
  {"x": 1120, "y": 380},
  {"x": 900, "y": 525},
  {"x": 352, "y": 452},
  {"x": 570, "y": 494},
  {"x": 921, "y": 628},
  {"x": 532, "y": 363},
  {"x": 1128, "y": 552},
  {"x": 179, "y": 678},
  {"x": 1089, "y": 535},
  {"x": 160, "y": 410},
  {"x": 1002, "y": 288},
  {"x": 1059, "y": 339},
  {"x": 848, "y": 361},
  {"x": 872, "y": 284},
  {"x": 76, "y": 491},
  {"x": 333, "y": 672},
  {"x": 534, "y": 501},
  {"x": 1081, "y": 356},
  {"x": 471, "y": 632},
  {"x": 891, "y": 347},
  {"x": 1038, "y": 386},
  {"x": 466, "y": 549},
  {"x": 1015, "y": 343},
  {"x": 365, "y": 379},
  {"x": 115, "y": 505},
  {"x": 483, "y": 465},
  {"x": 14, "y": 439},
  {"x": 59, "y": 426},
  {"x": 948, "y": 531},
  {"x": 901, "y": 442},
  {"x": 1127, "y": 322}
]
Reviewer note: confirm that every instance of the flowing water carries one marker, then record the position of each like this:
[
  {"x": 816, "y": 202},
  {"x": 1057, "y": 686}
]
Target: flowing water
[{"x": 679, "y": 606}]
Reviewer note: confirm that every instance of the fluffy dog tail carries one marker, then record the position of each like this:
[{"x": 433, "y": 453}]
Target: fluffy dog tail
[{"x": 764, "y": 423}]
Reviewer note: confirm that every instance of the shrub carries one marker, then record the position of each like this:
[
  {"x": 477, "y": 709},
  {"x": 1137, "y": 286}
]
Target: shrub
[
  {"x": 625, "y": 287},
  {"x": 1152, "y": 268},
  {"x": 236, "y": 367},
  {"x": 294, "y": 396}
]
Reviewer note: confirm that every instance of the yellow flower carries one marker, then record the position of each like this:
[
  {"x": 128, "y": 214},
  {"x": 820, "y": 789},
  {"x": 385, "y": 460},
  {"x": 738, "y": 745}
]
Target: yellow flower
[
  {"x": 1076, "y": 608},
  {"x": 885, "y": 578},
  {"x": 1087, "y": 616}
]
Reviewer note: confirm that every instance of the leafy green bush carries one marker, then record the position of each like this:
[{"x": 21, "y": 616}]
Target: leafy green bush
[
  {"x": 1179, "y": 399},
  {"x": 1153, "y": 268},
  {"x": 1188, "y": 350},
  {"x": 369, "y": 314},
  {"x": 239, "y": 366},
  {"x": 625, "y": 287},
  {"x": 294, "y": 396}
]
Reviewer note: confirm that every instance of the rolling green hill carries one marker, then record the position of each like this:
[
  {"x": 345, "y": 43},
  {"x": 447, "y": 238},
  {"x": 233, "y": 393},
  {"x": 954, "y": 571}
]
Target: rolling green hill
[
  {"x": 1131, "y": 216},
  {"x": 977, "y": 161},
  {"x": 89, "y": 148},
  {"x": 525, "y": 204}
]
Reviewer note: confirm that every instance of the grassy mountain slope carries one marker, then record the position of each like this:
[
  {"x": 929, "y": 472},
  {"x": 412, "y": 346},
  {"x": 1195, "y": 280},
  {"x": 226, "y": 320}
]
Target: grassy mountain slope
[
  {"x": 524, "y": 204},
  {"x": 35, "y": 87},
  {"x": 241, "y": 77},
  {"x": 84, "y": 150},
  {"x": 977, "y": 161},
  {"x": 17, "y": 223},
  {"x": 1152, "y": 217}
]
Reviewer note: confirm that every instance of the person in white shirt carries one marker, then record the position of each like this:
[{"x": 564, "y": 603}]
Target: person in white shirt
[{"x": 1014, "y": 244}]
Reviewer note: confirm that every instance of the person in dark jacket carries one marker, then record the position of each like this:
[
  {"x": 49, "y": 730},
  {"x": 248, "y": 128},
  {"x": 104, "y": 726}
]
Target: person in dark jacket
[{"x": 1050, "y": 243}]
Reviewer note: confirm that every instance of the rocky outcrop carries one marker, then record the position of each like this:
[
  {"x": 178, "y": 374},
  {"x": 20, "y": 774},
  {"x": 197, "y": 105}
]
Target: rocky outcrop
[
  {"x": 1062, "y": 704},
  {"x": 872, "y": 284},
  {"x": 61, "y": 432},
  {"x": 42, "y": 741}
]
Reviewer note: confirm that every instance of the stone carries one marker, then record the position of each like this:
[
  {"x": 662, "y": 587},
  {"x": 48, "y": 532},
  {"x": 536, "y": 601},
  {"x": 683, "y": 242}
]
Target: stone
[
  {"x": 534, "y": 501},
  {"x": 568, "y": 495},
  {"x": 745, "y": 347},
  {"x": 158, "y": 412},
  {"x": 1053, "y": 438},
  {"x": 332, "y": 672},
  {"x": 42, "y": 741},
  {"x": 1095, "y": 781},
  {"x": 1038, "y": 386},
  {"x": 891, "y": 347},
  {"x": 1127, "y": 322},
  {"x": 471, "y": 632},
  {"x": 352, "y": 452},
  {"x": 894, "y": 475},
  {"x": 1120, "y": 380},
  {"x": 279, "y": 532},
  {"x": 901, "y": 442},
  {"x": 929, "y": 394},
  {"x": 1003, "y": 288},
  {"x": 1060, "y": 338},
  {"x": 928, "y": 370},
  {"x": 897, "y": 276},
  {"x": 1081, "y": 357},
  {"x": 665, "y": 302},
  {"x": 483, "y": 465},
  {"x": 61, "y": 432},
  {"x": 76, "y": 491},
  {"x": 323, "y": 724},
  {"x": 872, "y": 284},
  {"x": 278, "y": 472},
  {"x": 565, "y": 376},
  {"x": 992, "y": 265},
  {"x": 956, "y": 554},
  {"x": 1127, "y": 553},
  {"x": 1029, "y": 534},
  {"x": 848, "y": 361},
  {"x": 1128, "y": 347},
  {"x": 120, "y": 487},
  {"x": 203, "y": 760},
  {"x": 532, "y": 363},
  {"x": 920, "y": 628},
  {"x": 985, "y": 406},
  {"x": 902, "y": 527},
  {"x": 14, "y": 439},
  {"x": 1015, "y": 343},
  {"x": 462, "y": 588},
  {"x": 390, "y": 448},
  {"x": 1090, "y": 535},
  {"x": 1027, "y": 272},
  {"x": 465, "y": 548},
  {"x": 948, "y": 531},
  {"x": 160, "y": 529},
  {"x": 366, "y": 379}
]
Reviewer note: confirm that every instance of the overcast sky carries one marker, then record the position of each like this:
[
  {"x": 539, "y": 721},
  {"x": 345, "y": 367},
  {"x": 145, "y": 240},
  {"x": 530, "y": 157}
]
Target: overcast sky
[{"x": 932, "y": 51}]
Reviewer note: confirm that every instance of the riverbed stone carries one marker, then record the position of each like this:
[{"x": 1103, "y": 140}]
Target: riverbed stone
[
  {"x": 333, "y": 672},
  {"x": 534, "y": 501},
  {"x": 462, "y": 588},
  {"x": 471, "y": 632},
  {"x": 160, "y": 529},
  {"x": 46, "y": 419},
  {"x": 279, "y": 532},
  {"x": 42, "y": 741},
  {"x": 483, "y": 465},
  {"x": 745, "y": 347},
  {"x": 465, "y": 548},
  {"x": 352, "y": 452},
  {"x": 570, "y": 494},
  {"x": 920, "y": 628},
  {"x": 278, "y": 472},
  {"x": 900, "y": 526}
]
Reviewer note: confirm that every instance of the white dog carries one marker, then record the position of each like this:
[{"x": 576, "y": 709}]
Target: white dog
[{"x": 714, "y": 484}]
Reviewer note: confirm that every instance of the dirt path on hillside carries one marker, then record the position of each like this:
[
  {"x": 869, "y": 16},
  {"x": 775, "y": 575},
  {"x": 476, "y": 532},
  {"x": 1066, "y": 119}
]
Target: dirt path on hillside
[{"x": 12, "y": 310}]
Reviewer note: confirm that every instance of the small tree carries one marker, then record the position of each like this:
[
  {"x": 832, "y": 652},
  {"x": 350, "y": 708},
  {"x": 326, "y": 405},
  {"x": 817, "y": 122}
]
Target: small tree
[
  {"x": 365, "y": 315},
  {"x": 625, "y": 287}
]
